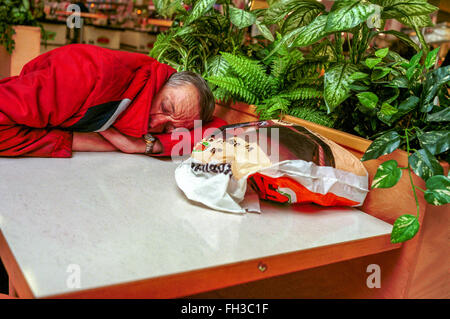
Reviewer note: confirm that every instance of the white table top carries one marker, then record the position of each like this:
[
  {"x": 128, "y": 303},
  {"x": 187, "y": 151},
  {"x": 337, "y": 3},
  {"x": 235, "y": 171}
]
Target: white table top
[{"x": 122, "y": 218}]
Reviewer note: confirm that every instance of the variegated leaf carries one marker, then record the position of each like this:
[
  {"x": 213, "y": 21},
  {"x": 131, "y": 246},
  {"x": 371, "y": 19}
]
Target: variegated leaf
[
  {"x": 312, "y": 32},
  {"x": 405, "y": 228},
  {"x": 337, "y": 82},
  {"x": 241, "y": 18},
  {"x": 265, "y": 31},
  {"x": 385, "y": 144},
  {"x": 402, "y": 8},
  {"x": 346, "y": 14},
  {"x": 368, "y": 99},
  {"x": 438, "y": 190},
  {"x": 436, "y": 142},
  {"x": 388, "y": 174},
  {"x": 441, "y": 116},
  {"x": 424, "y": 164},
  {"x": 199, "y": 9}
]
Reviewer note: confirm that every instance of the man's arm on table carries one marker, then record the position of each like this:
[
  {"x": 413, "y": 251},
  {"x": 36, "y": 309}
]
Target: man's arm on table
[{"x": 110, "y": 140}]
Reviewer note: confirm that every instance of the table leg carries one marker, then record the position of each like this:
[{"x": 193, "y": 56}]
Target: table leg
[{"x": 12, "y": 291}]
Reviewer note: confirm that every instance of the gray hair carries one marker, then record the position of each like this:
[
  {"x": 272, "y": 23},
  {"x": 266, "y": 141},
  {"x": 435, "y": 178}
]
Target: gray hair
[{"x": 207, "y": 101}]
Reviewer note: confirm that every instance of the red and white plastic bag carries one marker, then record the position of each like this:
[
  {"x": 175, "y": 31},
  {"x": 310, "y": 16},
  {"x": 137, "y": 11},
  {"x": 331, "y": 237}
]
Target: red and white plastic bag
[{"x": 278, "y": 161}]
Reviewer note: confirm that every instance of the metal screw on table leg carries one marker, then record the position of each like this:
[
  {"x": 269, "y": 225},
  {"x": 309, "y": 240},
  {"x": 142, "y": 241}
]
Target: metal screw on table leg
[{"x": 262, "y": 267}]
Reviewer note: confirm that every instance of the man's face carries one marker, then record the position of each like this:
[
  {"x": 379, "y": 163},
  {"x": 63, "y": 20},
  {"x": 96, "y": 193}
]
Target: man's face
[{"x": 174, "y": 107}]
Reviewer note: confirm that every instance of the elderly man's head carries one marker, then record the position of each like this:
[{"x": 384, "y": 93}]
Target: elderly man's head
[{"x": 185, "y": 97}]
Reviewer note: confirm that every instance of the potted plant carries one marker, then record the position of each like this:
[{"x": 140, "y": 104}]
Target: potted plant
[
  {"x": 20, "y": 36},
  {"x": 373, "y": 93},
  {"x": 418, "y": 125},
  {"x": 201, "y": 29}
]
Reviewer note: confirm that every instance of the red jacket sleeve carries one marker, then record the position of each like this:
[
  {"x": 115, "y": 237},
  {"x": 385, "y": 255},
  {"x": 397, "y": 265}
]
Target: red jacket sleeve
[{"x": 22, "y": 132}]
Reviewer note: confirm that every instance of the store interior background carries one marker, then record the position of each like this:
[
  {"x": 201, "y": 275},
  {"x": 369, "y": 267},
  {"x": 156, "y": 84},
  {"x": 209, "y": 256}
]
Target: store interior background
[{"x": 133, "y": 25}]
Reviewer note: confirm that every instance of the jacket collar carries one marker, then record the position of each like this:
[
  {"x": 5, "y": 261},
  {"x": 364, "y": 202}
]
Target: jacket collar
[{"x": 148, "y": 80}]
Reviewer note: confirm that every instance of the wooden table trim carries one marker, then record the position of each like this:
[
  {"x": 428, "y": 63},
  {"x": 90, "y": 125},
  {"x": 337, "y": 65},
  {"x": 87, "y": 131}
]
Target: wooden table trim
[
  {"x": 202, "y": 280},
  {"x": 15, "y": 274}
]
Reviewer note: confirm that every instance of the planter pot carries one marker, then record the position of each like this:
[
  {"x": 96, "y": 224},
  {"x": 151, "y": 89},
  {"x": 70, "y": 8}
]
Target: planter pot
[
  {"x": 416, "y": 270},
  {"x": 27, "y": 47}
]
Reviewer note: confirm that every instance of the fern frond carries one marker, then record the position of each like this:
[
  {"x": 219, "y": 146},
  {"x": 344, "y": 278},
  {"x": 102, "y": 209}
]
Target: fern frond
[
  {"x": 271, "y": 107},
  {"x": 217, "y": 66},
  {"x": 312, "y": 114},
  {"x": 303, "y": 93},
  {"x": 235, "y": 86},
  {"x": 279, "y": 66},
  {"x": 250, "y": 71},
  {"x": 222, "y": 94}
]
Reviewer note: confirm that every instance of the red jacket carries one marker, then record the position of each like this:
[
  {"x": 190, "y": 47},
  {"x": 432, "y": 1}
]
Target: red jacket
[{"x": 81, "y": 88}]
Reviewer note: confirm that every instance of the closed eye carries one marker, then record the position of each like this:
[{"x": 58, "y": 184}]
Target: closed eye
[{"x": 167, "y": 107}]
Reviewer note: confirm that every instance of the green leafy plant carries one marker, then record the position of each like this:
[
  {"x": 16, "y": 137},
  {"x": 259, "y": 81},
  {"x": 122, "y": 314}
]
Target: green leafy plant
[
  {"x": 351, "y": 24},
  {"x": 418, "y": 124},
  {"x": 377, "y": 93},
  {"x": 274, "y": 88},
  {"x": 14, "y": 12},
  {"x": 199, "y": 34}
]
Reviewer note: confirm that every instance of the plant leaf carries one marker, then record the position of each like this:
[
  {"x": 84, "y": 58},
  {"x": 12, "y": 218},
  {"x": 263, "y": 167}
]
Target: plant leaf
[
  {"x": 386, "y": 113},
  {"x": 312, "y": 32},
  {"x": 388, "y": 110},
  {"x": 424, "y": 164},
  {"x": 278, "y": 11},
  {"x": 438, "y": 190},
  {"x": 415, "y": 59},
  {"x": 371, "y": 62},
  {"x": 402, "y": 8},
  {"x": 431, "y": 58},
  {"x": 408, "y": 105},
  {"x": 403, "y": 37},
  {"x": 400, "y": 82},
  {"x": 418, "y": 21},
  {"x": 388, "y": 174},
  {"x": 382, "y": 52},
  {"x": 265, "y": 31},
  {"x": 337, "y": 80},
  {"x": 199, "y": 9},
  {"x": 241, "y": 18},
  {"x": 379, "y": 73},
  {"x": 302, "y": 15},
  {"x": 368, "y": 99},
  {"x": 433, "y": 81},
  {"x": 405, "y": 228},
  {"x": 435, "y": 142},
  {"x": 359, "y": 75},
  {"x": 285, "y": 39},
  {"x": 385, "y": 144},
  {"x": 441, "y": 116},
  {"x": 217, "y": 66},
  {"x": 346, "y": 14}
]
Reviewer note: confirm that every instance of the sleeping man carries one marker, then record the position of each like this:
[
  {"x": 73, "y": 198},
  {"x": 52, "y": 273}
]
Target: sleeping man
[{"x": 86, "y": 98}]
